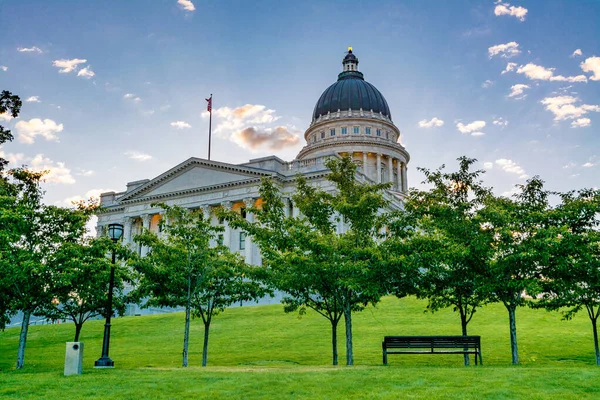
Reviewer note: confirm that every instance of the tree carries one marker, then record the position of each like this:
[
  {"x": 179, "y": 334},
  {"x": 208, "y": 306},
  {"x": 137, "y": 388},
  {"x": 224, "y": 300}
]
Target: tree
[
  {"x": 9, "y": 104},
  {"x": 519, "y": 226},
  {"x": 307, "y": 257},
  {"x": 183, "y": 269},
  {"x": 82, "y": 272},
  {"x": 32, "y": 231},
  {"x": 571, "y": 274},
  {"x": 450, "y": 246}
]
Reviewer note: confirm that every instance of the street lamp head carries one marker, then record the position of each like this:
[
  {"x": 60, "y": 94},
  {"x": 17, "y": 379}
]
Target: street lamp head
[{"x": 115, "y": 231}]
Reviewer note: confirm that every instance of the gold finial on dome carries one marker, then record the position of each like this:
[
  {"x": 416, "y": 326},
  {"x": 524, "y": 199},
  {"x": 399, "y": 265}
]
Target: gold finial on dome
[{"x": 349, "y": 48}]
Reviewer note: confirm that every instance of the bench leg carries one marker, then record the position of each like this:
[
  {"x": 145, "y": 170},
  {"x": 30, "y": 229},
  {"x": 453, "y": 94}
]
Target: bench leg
[
  {"x": 476, "y": 358},
  {"x": 384, "y": 357},
  {"x": 480, "y": 360}
]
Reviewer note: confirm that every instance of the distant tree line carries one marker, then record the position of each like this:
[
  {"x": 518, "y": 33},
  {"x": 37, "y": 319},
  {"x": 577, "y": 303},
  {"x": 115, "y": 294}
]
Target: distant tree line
[{"x": 455, "y": 244}]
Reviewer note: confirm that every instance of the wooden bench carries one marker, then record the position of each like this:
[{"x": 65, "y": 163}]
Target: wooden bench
[{"x": 432, "y": 345}]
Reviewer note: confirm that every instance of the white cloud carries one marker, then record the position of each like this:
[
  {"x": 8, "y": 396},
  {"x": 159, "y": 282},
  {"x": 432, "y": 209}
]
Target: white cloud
[
  {"x": 232, "y": 120},
  {"x": 581, "y": 123},
  {"x": 4, "y": 68},
  {"x": 507, "y": 9},
  {"x": 254, "y": 138},
  {"x": 47, "y": 129},
  {"x": 5, "y": 116},
  {"x": 33, "y": 49},
  {"x": 132, "y": 96},
  {"x": 431, "y": 123},
  {"x": 180, "y": 124},
  {"x": 592, "y": 65},
  {"x": 569, "y": 165},
  {"x": 472, "y": 128},
  {"x": 86, "y": 72},
  {"x": 511, "y": 167},
  {"x": 487, "y": 84},
  {"x": 517, "y": 90},
  {"x": 506, "y": 50},
  {"x": 33, "y": 99},
  {"x": 67, "y": 66},
  {"x": 512, "y": 192},
  {"x": 488, "y": 165},
  {"x": 57, "y": 171},
  {"x": 537, "y": 72},
  {"x": 93, "y": 194},
  {"x": 187, "y": 5},
  {"x": 12, "y": 158},
  {"x": 589, "y": 164},
  {"x": 84, "y": 172},
  {"x": 137, "y": 156},
  {"x": 563, "y": 107},
  {"x": 576, "y": 53},
  {"x": 500, "y": 122},
  {"x": 509, "y": 67}
]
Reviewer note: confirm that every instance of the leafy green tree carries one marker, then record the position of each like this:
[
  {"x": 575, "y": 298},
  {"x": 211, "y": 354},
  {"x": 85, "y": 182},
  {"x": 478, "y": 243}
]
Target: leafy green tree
[
  {"x": 32, "y": 231},
  {"x": 317, "y": 266},
  {"x": 81, "y": 273},
  {"x": 519, "y": 226},
  {"x": 571, "y": 274},
  {"x": 11, "y": 105},
  {"x": 183, "y": 269},
  {"x": 450, "y": 246}
]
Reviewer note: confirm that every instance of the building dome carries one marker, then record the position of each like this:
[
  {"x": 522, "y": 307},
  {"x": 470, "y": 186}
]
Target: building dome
[{"x": 351, "y": 92}]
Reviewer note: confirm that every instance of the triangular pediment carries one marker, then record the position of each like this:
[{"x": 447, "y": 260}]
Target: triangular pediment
[{"x": 194, "y": 175}]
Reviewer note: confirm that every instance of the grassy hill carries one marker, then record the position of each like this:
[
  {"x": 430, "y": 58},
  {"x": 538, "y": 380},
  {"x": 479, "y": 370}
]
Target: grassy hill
[{"x": 261, "y": 352}]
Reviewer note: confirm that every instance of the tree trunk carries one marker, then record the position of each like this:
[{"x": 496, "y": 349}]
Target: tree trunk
[
  {"x": 513, "y": 334},
  {"x": 595, "y": 328},
  {"x": 348, "y": 320},
  {"x": 334, "y": 349},
  {"x": 463, "y": 324},
  {"x": 205, "y": 347},
  {"x": 78, "y": 327},
  {"x": 186, "y": 336},
  {"x": 23, "y": 339}
]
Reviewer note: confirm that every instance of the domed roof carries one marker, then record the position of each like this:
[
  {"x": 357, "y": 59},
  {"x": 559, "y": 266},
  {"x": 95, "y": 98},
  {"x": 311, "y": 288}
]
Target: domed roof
[{"x": 351, "y": 91}]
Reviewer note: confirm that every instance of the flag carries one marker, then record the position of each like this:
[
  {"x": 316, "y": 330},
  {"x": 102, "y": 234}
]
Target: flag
[{"x": 209, "y": 105}]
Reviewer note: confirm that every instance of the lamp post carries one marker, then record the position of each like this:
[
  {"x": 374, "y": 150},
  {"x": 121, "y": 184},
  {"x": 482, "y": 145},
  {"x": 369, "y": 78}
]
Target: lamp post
[{"x": 115, "y": 232}]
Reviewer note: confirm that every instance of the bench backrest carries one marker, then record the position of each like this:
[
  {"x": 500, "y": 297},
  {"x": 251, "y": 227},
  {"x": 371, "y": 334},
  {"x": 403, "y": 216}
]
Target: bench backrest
[{"x": 417, "y": 342}]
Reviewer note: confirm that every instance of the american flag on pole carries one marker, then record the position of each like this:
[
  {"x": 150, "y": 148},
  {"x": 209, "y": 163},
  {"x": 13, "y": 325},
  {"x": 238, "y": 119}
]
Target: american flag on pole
[{"x": 209, "y": 105}]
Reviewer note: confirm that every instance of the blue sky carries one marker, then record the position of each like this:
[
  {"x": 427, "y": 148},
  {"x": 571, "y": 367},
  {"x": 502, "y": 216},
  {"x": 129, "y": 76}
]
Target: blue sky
[{"x": 116, "y": 89}]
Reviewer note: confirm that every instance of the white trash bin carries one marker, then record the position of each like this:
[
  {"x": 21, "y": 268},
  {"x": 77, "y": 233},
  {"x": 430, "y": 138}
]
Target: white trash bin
[{"x": 74, "y": 358}]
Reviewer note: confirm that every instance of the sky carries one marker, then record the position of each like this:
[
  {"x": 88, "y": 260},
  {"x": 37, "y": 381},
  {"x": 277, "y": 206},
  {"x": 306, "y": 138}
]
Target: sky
[{"x": 114, "y": 91}]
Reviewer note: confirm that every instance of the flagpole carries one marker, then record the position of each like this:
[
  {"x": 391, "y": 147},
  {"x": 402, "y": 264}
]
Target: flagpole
[{"x": 209, "y": 125}]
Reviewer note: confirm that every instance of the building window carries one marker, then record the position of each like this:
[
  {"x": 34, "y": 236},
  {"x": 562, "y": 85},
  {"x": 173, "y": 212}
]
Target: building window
[
  {"x": 378, "y": 132},
  {"x": 344, "y": 131},
  {"x": 242, "y": 240},
  {"x": 332, "y": 132},
  {"x": 368, "y": 131},
  {"x": 220, "y": 239},
  {"x": 243, "y": 212},
  {"x": 356, "y": 130},
  {"x": 387, "y": 135},
  {"x": 322, "y": 135}
]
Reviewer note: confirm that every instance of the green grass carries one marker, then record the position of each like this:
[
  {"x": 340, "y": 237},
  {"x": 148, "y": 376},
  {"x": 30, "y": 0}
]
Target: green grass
[{"x": 261, "y": 352}]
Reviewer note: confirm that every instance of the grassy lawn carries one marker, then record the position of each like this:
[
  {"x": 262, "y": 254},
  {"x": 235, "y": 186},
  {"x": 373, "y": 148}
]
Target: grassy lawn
[{"x": 261, "y": 352}]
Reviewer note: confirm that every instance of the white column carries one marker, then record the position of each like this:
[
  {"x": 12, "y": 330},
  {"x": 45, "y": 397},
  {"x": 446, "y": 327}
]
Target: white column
[
  {"x": 99, "y": 230},
  {"x": 378, "y": 168},
  {"x": 365, "y": 159},
  {"x": 250, "y": 218},
  {"x": 227, "y": 234},
  {"x": 390, "y": 169},
  {"x": 286, "y": 206},
  {"x": 145, "y": 225},
  {"x": 404, "y": 181},
  {"x": 399, "y": 175},
  {"x": 127, "y": 236}
]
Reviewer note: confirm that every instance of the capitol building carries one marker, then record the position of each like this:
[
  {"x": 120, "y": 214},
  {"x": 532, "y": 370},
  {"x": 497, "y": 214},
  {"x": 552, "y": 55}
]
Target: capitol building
[{"x": 350, "y": 118}]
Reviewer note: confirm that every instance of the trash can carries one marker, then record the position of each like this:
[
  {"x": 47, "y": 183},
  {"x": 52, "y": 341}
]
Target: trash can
[{"x": 74, "y": 358}]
